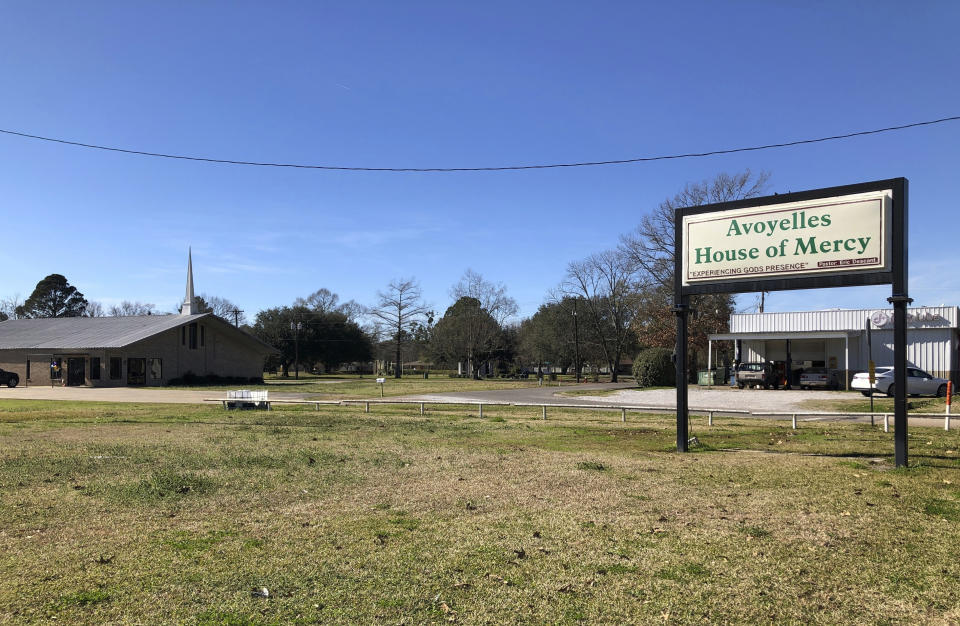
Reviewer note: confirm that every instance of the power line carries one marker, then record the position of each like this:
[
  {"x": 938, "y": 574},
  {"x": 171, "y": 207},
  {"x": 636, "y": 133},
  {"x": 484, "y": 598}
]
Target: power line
[{"x": 688, "y": 155}]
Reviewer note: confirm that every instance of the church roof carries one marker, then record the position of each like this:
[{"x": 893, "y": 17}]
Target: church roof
[
  {"x": 96, "y": 333},
  {"x": 72, "y": 333}
]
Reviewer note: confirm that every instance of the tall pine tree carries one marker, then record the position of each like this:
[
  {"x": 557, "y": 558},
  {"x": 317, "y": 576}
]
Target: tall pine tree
[{"x": 54, "y": 296}]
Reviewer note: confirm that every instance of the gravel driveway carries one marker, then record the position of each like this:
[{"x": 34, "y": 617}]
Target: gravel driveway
[
  {"x": 699, "y": 397},
  {"x": 724, "y": 398}
]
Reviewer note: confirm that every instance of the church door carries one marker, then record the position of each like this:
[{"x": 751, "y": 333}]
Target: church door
[
  {"x": 136, "y": 371},
  {"x": 76, "y": 372}
]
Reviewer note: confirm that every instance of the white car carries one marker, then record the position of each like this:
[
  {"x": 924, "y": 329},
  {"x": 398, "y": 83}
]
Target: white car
[
  {"x": 919, "y": 383},
  {"x": 819, "y": 377}
]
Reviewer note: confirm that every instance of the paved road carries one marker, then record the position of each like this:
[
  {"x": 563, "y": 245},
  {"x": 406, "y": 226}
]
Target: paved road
[
  {"x": 533, "y": 395},
  {"x": 188, "y": 396},
  {"x": 709, "y": 398},
  {"x": 698, "y": 397},
  {"x": 123, "y": 394}
]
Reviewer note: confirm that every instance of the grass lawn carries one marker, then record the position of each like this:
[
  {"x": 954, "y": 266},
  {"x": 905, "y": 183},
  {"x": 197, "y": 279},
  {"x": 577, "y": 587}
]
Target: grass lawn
[
  {"x": 180, "y": 513},
  {"x": 354, "y": 387}
]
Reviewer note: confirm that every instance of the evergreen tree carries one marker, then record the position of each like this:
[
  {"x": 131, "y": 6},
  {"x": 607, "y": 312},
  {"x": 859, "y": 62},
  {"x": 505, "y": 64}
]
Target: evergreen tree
[{"x": 54, "y": 297}]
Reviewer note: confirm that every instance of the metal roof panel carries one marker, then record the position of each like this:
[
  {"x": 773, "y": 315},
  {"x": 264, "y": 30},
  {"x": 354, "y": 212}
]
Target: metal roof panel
[{"x": 71, "y": 333}]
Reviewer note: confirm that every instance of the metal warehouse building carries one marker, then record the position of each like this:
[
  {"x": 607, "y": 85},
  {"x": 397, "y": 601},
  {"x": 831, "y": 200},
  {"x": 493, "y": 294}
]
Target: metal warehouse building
[{"x": 837, "y": 339}]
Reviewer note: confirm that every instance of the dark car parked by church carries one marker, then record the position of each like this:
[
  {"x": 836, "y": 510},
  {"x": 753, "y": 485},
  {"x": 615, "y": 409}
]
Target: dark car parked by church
[{"x": 10, "y": 379}]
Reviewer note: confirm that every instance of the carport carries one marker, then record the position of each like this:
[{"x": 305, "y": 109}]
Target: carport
[{"x": 814, "y": 346}]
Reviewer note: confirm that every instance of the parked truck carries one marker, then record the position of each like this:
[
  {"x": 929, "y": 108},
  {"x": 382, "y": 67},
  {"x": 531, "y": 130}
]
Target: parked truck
[{"x": 762, "y": 374}]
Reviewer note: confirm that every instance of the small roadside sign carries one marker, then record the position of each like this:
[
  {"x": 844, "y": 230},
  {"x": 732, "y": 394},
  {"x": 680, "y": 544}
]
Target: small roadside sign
[
  {"x": 872, "y": 367},
  {"x": 380, "y": 382}
]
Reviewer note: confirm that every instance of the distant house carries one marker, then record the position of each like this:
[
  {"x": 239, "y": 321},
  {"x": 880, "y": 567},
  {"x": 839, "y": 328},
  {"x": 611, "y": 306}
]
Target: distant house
[{"x": 142, "y": 350}]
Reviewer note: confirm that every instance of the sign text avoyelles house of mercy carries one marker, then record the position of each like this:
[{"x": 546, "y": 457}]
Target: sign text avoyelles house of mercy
[{"x": 848, "y": 234}]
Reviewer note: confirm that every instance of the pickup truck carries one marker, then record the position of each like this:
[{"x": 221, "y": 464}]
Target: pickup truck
[{"x": 750, "y": 374}]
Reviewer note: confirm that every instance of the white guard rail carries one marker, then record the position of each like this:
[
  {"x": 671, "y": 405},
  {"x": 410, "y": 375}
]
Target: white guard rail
[{"x": 809, "y": 416}]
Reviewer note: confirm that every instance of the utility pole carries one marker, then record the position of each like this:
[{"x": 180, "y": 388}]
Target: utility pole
[
  {"x": 295, "y": 327},
  {"x": 576, "y": 341},
  {"x": 236, "y": 317}
]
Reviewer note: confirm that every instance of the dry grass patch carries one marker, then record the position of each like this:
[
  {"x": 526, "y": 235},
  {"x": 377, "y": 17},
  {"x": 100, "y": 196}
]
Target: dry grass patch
[{"x": 347, "y": 517}]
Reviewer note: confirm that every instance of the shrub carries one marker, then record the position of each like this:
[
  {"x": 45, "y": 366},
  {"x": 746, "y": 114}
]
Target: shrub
[
  {"x": 193, "y": 380},
  {"x": 654, "y": 367}
]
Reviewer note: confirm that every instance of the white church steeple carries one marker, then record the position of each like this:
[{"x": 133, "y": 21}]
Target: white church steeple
[{"x": 189, "y": 301}]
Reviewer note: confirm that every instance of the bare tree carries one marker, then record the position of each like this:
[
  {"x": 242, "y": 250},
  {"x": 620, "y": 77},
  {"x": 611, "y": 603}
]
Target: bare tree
[
  {"x": 605, "y": 284},
  {"x": 322, "y": 300},
  {"x": 325, "y": 301},
  {"x": 651, "y": 245},
  {"x": 354, "y": 311},
  {"x": 493, "y": 298},
  {"x": 9, "y": 306},
  {"x": 127, "y": 308},
  {"x": 399, "y": 308},
  {"x": 222, "y": 308},
  {"x": 94, "y": 309},
  {"x": 491, "y": 304},
  {"x": 650, "y": 249}
]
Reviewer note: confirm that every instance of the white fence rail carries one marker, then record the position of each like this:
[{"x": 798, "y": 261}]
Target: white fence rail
[{"x": 794, "y": 416}]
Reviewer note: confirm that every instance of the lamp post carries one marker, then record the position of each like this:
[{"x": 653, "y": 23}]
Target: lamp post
[
  {"x": 295, "y": 327},
  {"x": 576, "y": 342}
]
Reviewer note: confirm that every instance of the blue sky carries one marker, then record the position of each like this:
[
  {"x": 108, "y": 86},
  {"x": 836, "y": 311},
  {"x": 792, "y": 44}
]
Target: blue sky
[{"x": 424, "y": 84}]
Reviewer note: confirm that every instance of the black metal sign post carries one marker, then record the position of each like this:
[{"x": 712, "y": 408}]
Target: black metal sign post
[
  {"x": 873, "y": 377},
  {"x": 682, "y": 309},
  {"x": 895, "y": 273},
  {"x": 899, "y": 299}
]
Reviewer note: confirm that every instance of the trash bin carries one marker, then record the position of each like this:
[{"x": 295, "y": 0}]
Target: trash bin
[
  {"x": 426, "y": 374},
  {"x": 711, "y": 377}
]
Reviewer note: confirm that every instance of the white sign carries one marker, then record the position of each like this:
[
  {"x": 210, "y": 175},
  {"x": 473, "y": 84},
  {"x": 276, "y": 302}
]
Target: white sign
[
  {"x": 884, "y": 319},
  {"x": 830, "y": 235},
  {"x": 380, "y": 381}
]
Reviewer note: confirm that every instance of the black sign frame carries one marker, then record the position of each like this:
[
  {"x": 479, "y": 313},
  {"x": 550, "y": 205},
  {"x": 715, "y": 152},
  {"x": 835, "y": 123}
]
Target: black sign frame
[{"x": 896, "y": 277}]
